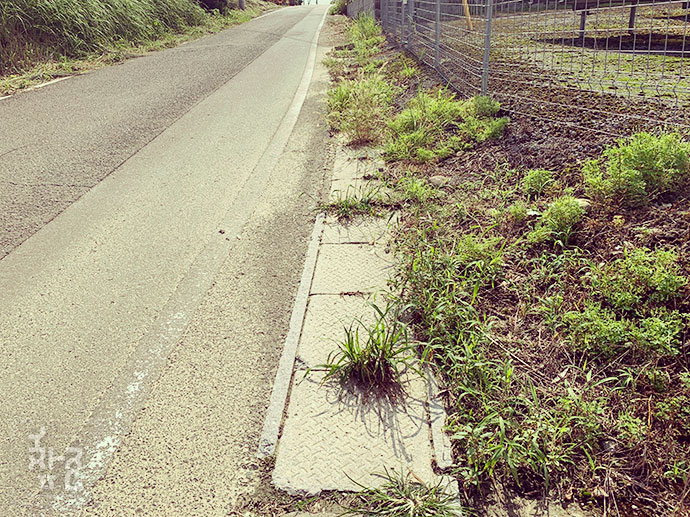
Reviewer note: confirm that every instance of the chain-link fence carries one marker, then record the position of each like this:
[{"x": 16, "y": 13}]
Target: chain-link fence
[{"x": 598, "y": 64}]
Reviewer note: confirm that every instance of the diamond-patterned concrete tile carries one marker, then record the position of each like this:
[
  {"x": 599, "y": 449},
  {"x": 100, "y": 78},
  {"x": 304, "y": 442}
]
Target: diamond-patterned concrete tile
[
  {"x": 332, "y": 440},
  {"x": 348, "y": 268},
  {"x": 367, "y": 230},
  {"x": 324, "y": 325}
]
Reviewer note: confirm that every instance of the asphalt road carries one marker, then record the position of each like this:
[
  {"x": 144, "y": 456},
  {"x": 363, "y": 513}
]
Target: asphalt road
[{"x": 155, "y": 219}]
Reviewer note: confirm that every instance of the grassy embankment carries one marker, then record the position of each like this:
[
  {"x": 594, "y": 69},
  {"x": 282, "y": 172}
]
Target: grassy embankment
[
  {"x": 553, "y": 301},
  {"x": 45, "y": 39}
]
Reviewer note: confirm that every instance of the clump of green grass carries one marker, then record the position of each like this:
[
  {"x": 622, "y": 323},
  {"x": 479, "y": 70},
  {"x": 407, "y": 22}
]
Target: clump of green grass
[
  {"x": 338, "y": 7},
  {"x": 373, "y": 356},
  {"x": 365, "y": 36},
  {"x": 434, "y": 127},
  {"x": 359, "y": 108},
  {"x": 536, "y": 181},
  {"x": 639, "y": 169},
  {"x": 416, "y": 190},
  {"x": 557, "y": 222},
  {"x": 36, "y": 30},
  {"x": 83, "y": 35},
  {"x": 357, "y": 202},
  {"x": 408, "y": 496}
]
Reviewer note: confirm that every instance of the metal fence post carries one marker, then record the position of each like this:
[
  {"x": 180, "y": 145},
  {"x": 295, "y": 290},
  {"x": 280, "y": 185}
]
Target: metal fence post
[
  {"x": 410, "y": 23},
  {"x": 487, "y": 47},
  {"x": 403, "y": 8},
  {"x": 437, "y": 36}
]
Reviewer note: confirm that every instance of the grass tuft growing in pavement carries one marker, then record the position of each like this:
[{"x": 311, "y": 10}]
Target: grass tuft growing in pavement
[
  {"x": 373, "y": 357},
  {"x": 408, "y": 496}
]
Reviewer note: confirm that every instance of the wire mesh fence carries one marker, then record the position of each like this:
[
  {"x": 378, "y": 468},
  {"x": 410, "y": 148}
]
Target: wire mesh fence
[{"x": 598, "y": 64}]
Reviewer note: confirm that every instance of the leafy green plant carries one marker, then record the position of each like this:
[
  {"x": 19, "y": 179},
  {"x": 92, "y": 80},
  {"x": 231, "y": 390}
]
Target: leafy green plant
[
  {"x": 373, "y": 356},
  {"x": 597, "y": 329},
  {"x": 360, "y": 107},
  {"x": 661, "y": 332},
  {"x": 416, "y": 189},
  {"x": 631, "y": 428},
  {"x": 408, "y": 496},
  {"x": 338, "y": 7},
  {"x": 640, "y": 277},
  {"x": 536, "y": 181},
  {"x": 557, "y": 222},
  {"x": 434, "y": 127},
  {"x": 639, "y": 169}
]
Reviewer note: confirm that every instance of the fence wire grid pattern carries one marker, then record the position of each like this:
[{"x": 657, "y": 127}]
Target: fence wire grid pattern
[{"x": 589, "y": 63}]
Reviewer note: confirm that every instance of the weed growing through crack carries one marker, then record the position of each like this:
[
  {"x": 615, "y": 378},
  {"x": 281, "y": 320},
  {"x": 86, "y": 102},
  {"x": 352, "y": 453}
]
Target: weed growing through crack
[
  {"x": 408, "y": 496},
  {"x": 362, "y": 201},
  {"x": 373, "y": 357}
]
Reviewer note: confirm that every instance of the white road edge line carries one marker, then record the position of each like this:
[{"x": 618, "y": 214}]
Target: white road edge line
[
  {"x": 281, "y": 385},
  {"x": 43, "y": 85},
  {"x": 111, "y": 420}
]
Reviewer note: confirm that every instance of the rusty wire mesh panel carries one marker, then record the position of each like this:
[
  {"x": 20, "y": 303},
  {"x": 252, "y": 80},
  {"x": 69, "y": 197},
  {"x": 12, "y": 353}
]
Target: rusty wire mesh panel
[{"x": 591, "y": 63}]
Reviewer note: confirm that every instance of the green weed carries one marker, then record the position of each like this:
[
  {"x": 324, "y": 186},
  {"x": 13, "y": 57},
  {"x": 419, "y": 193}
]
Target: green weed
[
  {"x": 557, "y": 222},
  {"x": 416, "y": 190},
  {"x": 537, "y": 181},
  {"x": 639, "y": 169},
  {"x": 365, "y": 36},
  {"x": 356, "y": 201},
  {"x": 373, "y": 356},
  {"x": 338, "y": 7},
  {"x": 641, "y": 277},
  {"x": 435, "y": 127},
  {"x": 359, "y": 108},
  {"x": 408, "y": 496}
]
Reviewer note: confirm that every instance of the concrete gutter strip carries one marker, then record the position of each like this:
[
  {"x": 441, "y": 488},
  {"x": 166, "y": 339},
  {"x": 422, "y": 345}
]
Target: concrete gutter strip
[{"x": 281, "y": 386}]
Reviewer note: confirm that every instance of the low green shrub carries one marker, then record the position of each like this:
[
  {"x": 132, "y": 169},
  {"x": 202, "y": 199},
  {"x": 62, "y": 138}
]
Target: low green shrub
[
  {"x": 639, "y": 169},
  {"x": 640, "y": 277},
  {"x": 557, "y": 222},
  {"x": 359, "y": 108},
  {"x": 434, "y": 127},
  {"x": 338, "y": 7},
  {"x": 536, "y": 181}
]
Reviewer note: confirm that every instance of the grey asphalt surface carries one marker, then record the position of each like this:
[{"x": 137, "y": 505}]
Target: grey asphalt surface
[
  {"x": 58, "y": 142},
  {"x": 143, "y": 324}
]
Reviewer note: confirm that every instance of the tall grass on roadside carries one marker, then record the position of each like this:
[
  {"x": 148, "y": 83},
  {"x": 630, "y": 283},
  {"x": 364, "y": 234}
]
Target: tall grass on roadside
[{"x": 35, "y": 31}]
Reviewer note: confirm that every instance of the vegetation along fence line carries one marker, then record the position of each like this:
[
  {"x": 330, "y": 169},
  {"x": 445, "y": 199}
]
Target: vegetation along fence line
[{"x": 608, "y": 65}]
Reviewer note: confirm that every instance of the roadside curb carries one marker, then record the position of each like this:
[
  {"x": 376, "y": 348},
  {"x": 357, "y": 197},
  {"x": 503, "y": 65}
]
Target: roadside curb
[{"x": 281, "y": 386}]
